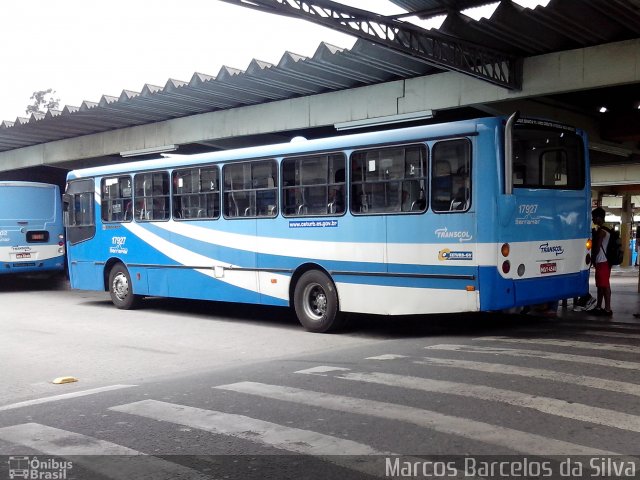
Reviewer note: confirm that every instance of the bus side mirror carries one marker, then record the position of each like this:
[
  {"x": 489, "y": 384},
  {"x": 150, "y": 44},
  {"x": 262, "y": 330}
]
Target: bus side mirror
[{"x": 66, "y": 201}]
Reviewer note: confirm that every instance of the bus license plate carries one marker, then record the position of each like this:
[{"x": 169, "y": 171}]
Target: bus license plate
[
  {"x": 22, "y": 255},
  {"x": 548, "y": 268}
]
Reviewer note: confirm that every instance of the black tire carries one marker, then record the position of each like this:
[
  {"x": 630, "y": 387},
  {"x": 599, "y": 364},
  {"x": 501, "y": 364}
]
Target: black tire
[
  {"x": 316, "y": 302},
  {"x": 121, "y": 288}
]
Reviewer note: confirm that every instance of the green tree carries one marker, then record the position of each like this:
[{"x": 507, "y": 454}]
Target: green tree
[{"x": 43, "y": 100}]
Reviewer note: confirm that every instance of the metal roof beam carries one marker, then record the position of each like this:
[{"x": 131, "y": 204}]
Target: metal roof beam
[{"x": 443, "y": 51}]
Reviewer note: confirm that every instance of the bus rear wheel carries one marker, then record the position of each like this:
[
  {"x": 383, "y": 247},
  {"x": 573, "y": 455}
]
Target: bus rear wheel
[
  {"x": 121, "y": 288},
  {"x": 316, "y": 302}
]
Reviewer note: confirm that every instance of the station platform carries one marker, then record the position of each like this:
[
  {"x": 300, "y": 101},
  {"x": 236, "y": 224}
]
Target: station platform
[{"x": 625, "y": 299}]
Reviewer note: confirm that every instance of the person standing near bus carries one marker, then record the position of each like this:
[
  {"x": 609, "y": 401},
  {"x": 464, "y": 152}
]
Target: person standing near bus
[{"x": 600, "y": 263}]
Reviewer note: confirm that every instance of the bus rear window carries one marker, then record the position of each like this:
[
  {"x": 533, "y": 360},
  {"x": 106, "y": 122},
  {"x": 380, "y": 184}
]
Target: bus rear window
[
  {"x": 547, "y": 158},
  {"x": 27, "y": 203}
]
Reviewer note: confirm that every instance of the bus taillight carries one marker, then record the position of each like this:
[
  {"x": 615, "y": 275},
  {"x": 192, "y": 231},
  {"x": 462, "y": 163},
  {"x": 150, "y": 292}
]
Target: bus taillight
[
  {"x": 60, "y": 240},
  {"x": 506, "y": 266},
  {"x": 505, "y": 250},
  {"x": 589, "y": 244}
]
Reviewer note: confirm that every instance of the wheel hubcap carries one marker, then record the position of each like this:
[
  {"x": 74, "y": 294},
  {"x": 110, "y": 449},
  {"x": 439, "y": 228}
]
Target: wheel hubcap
[
  {"x": 120, "y": 286},
  {"x": 315, "y": 305}
]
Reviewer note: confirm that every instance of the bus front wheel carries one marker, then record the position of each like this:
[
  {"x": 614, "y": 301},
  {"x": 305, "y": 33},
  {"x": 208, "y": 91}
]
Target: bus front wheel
[
  {"x": 316, "y": 302},
  {"x": 121, "y": 288}
]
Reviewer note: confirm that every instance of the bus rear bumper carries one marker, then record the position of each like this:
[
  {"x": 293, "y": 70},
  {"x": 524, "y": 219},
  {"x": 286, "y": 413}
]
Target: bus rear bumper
[
  {"x": 498, "y": 293},
  {"x": 48, "y": 265},
  {"x": 540, "y": 290}
]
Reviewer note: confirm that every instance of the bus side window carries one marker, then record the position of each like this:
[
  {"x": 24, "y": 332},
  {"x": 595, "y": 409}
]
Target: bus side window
[
  {"x": 442, "y": 185},
  {"x": 313, "y": 185},
  {"x": 451, "y": 180},
  {"x": 151, "y": 196},
  {"x": 250, "y": 189},
  {"x": 389, "y": 180},
  {"x": 116, "y": 195}
]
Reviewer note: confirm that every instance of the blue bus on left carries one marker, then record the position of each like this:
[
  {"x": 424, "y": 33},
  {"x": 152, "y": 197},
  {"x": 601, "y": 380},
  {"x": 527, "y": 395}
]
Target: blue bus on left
[{"x": 31, "y": 228}]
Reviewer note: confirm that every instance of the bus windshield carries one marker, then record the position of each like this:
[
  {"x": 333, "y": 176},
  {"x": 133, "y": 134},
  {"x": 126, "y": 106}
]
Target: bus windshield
[
  {"x": 26, "y": 202},
  {"x": 549, "y": 158}
]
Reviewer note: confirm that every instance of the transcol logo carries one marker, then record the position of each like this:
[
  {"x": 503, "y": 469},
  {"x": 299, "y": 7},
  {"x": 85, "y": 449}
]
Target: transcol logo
[
  {"x": 546, "y": 248},
  {"x": 462, "y": 236}
]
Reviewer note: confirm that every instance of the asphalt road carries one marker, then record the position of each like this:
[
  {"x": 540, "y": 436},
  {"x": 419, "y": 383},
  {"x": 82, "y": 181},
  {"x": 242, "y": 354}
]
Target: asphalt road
[{"x": 183, "y": 389}]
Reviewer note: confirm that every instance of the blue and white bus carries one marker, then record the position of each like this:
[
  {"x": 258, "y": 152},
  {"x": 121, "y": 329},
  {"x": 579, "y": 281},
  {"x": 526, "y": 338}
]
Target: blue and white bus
[
  {"x": 31, "y": 228},
  {"x": 417, "y": 220}
]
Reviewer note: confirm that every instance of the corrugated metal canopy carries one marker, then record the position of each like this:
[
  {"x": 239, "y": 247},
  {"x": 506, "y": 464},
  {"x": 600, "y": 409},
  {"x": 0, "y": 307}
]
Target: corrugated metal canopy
[
  {"x": 429, "y": 8},
  {"x": 561, "y": 25},
  {"x": 331, "y": 68},
  {"x": 512, "y": 28}
]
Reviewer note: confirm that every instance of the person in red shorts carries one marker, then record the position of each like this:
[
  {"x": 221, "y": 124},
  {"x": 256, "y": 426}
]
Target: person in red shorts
[{"x": 600, "y": 263}]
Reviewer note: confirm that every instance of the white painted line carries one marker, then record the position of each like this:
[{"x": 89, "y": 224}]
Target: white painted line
[
  {"x": 552, "y": 375},
  {"x": 387, "y": 356},
  {"x": 64, "y": 396},
  {"x": 333, "y": 449},
  {"x": 322, "y": 369},
  {"x": 551, "y": 406},
  {"x": 565, "y": 343},
  {"x": 633, "y": 336},
  {"x": 590, "y": 323},
  {"x": 516, "y": 352},
  {"x": 93, "y": 454},
  {"x": 512, "y": 440},
  {"x": 599, "y": 333}
]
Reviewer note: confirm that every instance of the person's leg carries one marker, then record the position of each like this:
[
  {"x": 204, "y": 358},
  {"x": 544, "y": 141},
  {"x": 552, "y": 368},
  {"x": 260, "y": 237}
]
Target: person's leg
[
  {"x": 607, "y": 288},
  {"x": 599, "y": 298},
  {"x": 600, "y": 283}
]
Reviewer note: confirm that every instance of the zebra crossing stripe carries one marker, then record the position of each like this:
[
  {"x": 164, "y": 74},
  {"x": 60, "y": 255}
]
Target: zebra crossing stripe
[
  {"x": 64, "y": 396},
  {"x": 606, "y": 325},
  {"x": 633, "y": 336},
  {"x": 336, "y": 450},
  {"x": 516, "y": 352},
  {"x": 566, "y": 343},
  {"x": 552, "y": 375},
  {"x": 512, "y": 440},
  {"x": 94, "y": 454},
  {"x": 598, "y": 333},
  {"x": 551, "y": 406}
]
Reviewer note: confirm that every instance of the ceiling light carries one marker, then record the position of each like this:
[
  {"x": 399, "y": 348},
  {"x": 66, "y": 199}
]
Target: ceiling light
[{"x": 603, "y": 109}]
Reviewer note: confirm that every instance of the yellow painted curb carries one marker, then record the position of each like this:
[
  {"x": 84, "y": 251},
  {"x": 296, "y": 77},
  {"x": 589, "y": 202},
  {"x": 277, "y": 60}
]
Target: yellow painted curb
[{"x": 65, "y": 380}]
